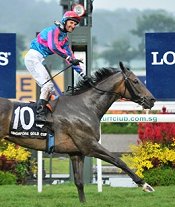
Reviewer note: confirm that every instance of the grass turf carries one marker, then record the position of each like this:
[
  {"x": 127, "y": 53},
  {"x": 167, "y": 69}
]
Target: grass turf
[{"x": 65, "y": 195}]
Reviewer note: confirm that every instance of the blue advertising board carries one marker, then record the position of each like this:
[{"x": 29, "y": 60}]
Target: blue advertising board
[
  {"x": 142, "y": 79},
  {"x": 160, "y": 65},
  {"x": 8, "y": 65}
]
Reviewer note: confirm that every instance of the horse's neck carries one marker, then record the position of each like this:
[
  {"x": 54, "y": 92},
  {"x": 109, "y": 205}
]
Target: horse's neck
[
  {"x": 93, "y": 101},
  {"x": 102, "y": 104},
  {"x": 105, "y": 100}
]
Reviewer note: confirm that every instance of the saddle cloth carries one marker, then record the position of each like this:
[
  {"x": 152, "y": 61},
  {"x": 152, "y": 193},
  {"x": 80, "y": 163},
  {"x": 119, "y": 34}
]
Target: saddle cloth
[{"x": 23, "y": 124}]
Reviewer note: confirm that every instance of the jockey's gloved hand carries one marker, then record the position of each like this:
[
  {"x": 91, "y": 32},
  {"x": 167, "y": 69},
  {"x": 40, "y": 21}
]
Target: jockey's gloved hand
[
  {"x": 74, "y": 61},
  {"x": 85, "y": 77}
]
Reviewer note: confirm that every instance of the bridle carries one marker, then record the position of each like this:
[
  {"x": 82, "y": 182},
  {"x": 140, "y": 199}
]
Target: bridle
[{"x": 128, "y": 86}]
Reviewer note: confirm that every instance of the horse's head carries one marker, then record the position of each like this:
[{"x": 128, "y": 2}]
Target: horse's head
[
  {"x": 135, "y": 90},
  {"x": 109, "y": 81}
]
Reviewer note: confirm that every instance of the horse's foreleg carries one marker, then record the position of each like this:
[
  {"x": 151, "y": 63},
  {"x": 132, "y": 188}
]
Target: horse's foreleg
[
  {"x": 77, "y": 164},
  {"x": 100, "y": 152}
]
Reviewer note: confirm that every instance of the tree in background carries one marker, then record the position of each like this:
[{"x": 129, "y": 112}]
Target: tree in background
[
  {"x": 148, "y": 21},
  {"x": 159, "y": 21},
  {"x": 119, "y": 50},
  {"x": 20, "y": 48},
  {"x": 95, "y": 54}
]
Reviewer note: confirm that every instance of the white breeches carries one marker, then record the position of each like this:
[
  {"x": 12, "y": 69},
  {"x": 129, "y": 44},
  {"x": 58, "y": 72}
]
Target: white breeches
[{"x": 33, "y": 61}]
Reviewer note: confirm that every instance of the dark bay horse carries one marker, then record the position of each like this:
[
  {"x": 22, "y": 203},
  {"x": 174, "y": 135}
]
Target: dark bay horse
[{"x": 76, "y": 120}]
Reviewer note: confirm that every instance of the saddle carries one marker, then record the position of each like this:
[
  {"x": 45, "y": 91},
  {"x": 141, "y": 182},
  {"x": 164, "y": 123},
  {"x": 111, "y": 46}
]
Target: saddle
[{"x": 23, "y": 125}]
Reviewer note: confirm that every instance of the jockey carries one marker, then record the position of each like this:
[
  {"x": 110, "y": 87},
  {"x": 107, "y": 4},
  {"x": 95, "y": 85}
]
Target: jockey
[{"x": 51, "y": 40}]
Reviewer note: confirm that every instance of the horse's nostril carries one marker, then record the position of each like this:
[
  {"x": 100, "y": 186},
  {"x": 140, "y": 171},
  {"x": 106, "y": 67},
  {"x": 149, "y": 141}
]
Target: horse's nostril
[{"x": 153, "y": 100}]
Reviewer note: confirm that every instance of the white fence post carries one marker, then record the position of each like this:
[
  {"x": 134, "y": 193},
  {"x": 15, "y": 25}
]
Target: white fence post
[
  {"x": 99, "y": 169},
  {"x": 40, "y": 171}
]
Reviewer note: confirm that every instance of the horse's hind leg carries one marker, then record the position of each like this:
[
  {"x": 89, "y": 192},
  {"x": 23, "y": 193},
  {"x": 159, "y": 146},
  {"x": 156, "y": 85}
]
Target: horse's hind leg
[
  {"x": 77, "y": 164},
  {"x": 5, "y": 114},
  {"x": 100, "y": 152}
]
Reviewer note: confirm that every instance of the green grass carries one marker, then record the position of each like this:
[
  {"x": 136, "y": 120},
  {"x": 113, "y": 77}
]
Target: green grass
[
  {"x": 65, "y": 195},
  {"x": 61, "y": 165},
  {"x": 119, "y": 128}
]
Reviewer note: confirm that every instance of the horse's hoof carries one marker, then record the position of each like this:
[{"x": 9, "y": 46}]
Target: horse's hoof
[{"x": 148, "y": 188}]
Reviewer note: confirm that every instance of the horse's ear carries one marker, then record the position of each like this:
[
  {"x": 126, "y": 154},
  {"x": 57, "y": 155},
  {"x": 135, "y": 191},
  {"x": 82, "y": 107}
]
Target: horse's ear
[{"x": 122, "y": 66}]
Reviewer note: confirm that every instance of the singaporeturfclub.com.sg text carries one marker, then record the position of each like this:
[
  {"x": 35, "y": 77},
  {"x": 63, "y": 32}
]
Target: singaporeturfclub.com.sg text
[{"x": 129, "y": 118}]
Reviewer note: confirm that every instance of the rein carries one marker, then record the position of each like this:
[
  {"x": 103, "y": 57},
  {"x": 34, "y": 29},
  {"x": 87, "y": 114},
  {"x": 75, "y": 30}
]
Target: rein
[
  {"x": 127, "y": 86},
  {"x": 103, "y": 91}
]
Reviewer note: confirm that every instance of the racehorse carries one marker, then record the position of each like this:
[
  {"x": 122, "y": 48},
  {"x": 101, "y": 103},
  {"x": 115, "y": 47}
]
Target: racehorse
[{"x": 76, "y": 120}]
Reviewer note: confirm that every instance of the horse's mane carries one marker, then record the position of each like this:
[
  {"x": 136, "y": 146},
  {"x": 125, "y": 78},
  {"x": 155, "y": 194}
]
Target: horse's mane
[{"x": 98, "y": 76}]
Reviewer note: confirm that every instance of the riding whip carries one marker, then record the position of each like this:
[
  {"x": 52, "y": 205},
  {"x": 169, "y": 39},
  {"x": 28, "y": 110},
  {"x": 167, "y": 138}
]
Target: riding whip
[{"x": 58, "y": 73}]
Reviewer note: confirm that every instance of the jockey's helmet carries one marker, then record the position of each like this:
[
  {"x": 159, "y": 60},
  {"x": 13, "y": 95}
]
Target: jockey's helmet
[{"x": 70, "y": 15}]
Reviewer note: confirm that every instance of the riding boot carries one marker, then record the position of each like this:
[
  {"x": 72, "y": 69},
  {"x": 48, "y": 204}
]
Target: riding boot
[{"x": 41, "y": 111}]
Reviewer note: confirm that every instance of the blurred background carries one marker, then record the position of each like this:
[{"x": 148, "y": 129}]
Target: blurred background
[
  {"x": 118, "y": 27},
  {"x": 117, "y": 32}
]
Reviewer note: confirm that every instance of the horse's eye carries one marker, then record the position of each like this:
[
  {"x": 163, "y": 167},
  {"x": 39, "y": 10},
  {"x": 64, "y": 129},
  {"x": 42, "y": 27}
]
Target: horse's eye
[{"x": 135, "y": 81}]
